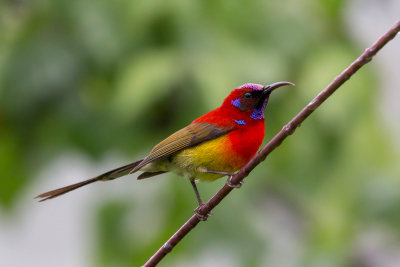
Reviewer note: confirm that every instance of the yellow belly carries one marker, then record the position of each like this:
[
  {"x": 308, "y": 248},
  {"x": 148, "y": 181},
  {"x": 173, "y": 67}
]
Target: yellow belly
[{"x": 214, "y": 155}]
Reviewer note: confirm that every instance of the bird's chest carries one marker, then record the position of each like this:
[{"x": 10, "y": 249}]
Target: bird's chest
[{"x": 246, "y": 141}]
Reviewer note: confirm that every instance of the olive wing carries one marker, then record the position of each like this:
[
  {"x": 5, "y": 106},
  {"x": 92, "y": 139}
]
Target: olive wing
[{"x": 191, "y": 135}]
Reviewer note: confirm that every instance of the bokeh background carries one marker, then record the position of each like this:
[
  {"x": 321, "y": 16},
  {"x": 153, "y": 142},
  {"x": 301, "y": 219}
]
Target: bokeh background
[{"x": 88, "y": 85}]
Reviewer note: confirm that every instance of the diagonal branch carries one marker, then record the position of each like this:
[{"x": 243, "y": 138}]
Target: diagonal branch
[{"x": 287, "y": 130}]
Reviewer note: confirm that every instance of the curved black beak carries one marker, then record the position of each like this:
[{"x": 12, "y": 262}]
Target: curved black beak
[
  {"x": 266, "y": 92},
  {"x": 269, "y": 88}
]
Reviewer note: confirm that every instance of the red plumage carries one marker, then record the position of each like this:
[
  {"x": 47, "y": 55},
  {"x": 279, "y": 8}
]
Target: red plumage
[{"x": 245, "y": 139}]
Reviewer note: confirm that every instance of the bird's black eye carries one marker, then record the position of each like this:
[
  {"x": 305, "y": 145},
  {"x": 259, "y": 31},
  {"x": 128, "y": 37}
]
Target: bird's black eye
[{"x": 248, "y": 95}]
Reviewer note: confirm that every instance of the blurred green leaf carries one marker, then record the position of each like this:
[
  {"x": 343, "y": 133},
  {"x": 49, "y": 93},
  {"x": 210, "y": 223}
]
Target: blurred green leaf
[
  {"x": 13, "y": 176},
  {"x": 143, "y": 80}
]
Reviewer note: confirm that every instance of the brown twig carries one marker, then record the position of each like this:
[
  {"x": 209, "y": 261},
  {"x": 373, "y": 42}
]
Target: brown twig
[{"x": 287, "y": 130}]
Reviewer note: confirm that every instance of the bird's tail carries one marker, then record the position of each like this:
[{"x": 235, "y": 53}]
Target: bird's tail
[{"x": 110, "y": 175}]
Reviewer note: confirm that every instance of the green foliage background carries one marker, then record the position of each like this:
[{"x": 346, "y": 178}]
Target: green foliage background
[{"x": 101, "y": 76}]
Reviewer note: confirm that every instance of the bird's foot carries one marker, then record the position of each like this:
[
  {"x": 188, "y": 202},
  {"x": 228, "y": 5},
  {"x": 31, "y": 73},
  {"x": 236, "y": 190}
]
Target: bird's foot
[
  {"x": 229, "y": 183},
  {"x": 201, "y": 217}
]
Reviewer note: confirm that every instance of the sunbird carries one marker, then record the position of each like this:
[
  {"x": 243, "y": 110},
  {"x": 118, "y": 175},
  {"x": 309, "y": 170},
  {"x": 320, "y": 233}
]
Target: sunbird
[{"x": 214, "y": 145}]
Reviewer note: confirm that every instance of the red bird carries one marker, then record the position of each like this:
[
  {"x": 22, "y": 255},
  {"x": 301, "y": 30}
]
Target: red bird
[{"x": 214, "y": 145}]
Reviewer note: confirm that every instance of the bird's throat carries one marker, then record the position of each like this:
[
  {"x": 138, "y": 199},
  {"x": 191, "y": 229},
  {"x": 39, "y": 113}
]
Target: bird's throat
[{"x": 258, "y": 112}]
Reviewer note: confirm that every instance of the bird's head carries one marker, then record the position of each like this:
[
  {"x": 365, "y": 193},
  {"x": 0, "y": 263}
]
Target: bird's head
[{"x": 252, "y": 98}]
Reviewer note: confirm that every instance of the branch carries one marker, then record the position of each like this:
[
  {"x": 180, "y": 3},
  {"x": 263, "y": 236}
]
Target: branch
[{"x": 287, "y": 130}]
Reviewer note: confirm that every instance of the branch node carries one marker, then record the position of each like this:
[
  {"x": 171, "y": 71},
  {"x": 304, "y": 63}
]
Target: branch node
[
  {"x": 346, "y": 76},
  {"x": 168, "y": 247},
  {"x": 368, "y": 59},
  {"x": 359, "y": 60},
  {"x": 289, "y": 129},
  {"x": 371, "y": 50},
  {"x": 313, "y": 104}
]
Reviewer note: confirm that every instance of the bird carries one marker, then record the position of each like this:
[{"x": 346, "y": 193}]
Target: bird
[{"x": 214, "y": 145}]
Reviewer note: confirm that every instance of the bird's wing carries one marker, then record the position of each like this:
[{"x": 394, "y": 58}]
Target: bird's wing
[{"x": 191, "y": 135}]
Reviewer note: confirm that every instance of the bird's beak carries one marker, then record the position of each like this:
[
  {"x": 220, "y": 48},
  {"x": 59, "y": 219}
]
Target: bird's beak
[
  {"x": 267, "y": 92},
  {"x": 269, "y": 88}
]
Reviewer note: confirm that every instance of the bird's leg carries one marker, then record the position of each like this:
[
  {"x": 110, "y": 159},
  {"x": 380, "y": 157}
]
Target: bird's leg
[
  {"x": 201, "y": 203},
  {"x": 228, "y": 182}
]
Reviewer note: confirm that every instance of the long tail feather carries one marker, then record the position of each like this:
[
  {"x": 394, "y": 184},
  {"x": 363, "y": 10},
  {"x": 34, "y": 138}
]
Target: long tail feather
[
  {"x": 60, "y": 191},
  {"x": 110, "y": 175}
]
